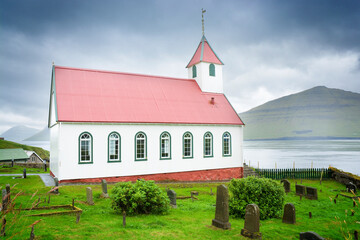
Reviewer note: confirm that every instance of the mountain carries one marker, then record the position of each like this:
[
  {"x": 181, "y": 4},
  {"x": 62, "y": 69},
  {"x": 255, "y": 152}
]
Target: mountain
[
  {"x": 43, "y": 135},
  {"x": 316, "y": 113},
  {"x": 19, "y": 133}
]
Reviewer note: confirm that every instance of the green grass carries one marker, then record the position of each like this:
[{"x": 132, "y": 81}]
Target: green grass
[
  {"x": 190, "y": 220},
  {"x": 7, "y": 169},
  {"x": 44, "y": 154}
]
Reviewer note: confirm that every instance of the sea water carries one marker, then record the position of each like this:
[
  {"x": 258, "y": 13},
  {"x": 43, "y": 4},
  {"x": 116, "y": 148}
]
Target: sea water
[{"x": 342, "y": 154}]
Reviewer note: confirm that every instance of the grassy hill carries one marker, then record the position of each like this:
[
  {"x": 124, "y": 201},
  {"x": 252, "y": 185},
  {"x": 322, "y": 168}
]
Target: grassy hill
[
  {"x": 44, "y": 154},
  {"x": 319, "y": 112}
]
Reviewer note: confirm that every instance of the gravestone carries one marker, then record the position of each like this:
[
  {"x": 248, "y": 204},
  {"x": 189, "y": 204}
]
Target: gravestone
[
  {"x": 3, "y": 225},
  {"x": 300, "y": 190},
  {"x": 286, "y": 185},
  {"x": 45, "y": 167},
  {"x": 12, "y": 163},
  {"x": 4, "y": 200},
  {"x": 310, "y": 236},
  {"x": 172, "y": 196},
  {"x": 104, "y": 189},
  {"x": 222, "y": 208},
  {"x": 289, "y": 214},
  {"x": 351, "y": 187},
  {"x": 56, "y": 180},
  {"x": 311, "y": 193},
  {"x": 89, "y": 196},
  {"x": 252, "y": 222},
  {"x": 24, "y": 173},
  {"x": 8, "y": 192}
]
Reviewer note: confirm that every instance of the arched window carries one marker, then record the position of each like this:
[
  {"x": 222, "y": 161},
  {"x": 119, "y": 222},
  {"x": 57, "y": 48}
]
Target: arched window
[
  {"x": 208, "y": 144},
  {"x": 212, "y": 70},
  {"x": 85, "y": 148},
  {"x": 114, "y": 147},
  {"x": 194, "y": 72},
  {"x": 140, "y": 147},
  {"x": 165, "y": 145},
  {"x": 226, "y": 144},
  {"x": 187, "y": 145}
]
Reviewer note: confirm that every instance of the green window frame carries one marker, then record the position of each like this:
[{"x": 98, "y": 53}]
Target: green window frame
[
  {"x": 114, "y": 147},
  {"x": 226, "y": 144},
  {"x": 212, "y": 70},
  {"x": 208, "y": 145},
  {"x": 194, "y": 72},
  {"x": 85, "y": 148},
  {"x": 140, "y": 146},
  {"x": 188, "y": 146},
  {"x": 165, "y": 146}
]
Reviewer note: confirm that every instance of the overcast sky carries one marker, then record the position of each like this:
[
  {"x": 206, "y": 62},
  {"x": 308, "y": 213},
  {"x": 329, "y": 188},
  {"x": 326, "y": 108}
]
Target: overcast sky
[{"x": 270, "y": 48}]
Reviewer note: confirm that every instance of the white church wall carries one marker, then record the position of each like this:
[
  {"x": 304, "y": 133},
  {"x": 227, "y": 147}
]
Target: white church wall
[
  {"x": 69, "y": 145},
  {"x": 54, "y": 149}
]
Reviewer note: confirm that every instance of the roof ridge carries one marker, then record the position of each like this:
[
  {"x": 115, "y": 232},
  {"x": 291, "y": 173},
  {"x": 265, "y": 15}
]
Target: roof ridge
[{"x": 123, "y": 73}]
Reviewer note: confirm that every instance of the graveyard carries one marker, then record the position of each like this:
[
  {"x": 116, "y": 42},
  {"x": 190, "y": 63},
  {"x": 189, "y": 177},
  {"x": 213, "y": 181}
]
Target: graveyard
[{"x": 88, "y": 213}]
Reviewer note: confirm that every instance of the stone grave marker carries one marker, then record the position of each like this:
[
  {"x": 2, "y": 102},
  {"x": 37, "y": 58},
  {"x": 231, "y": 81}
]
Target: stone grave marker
[
  {"x": 56, "y": 180},
  {"x": 3, "y": 225},
  {"x": 8, "y": 192},
  {"x": 252, "y": 222},
  {"x": 310, "y": 236},
  {"x": 311, "y": 193},
  {"x": 104, "y": 189},
  {"x": 12, "y": 162},
  {"x": 289, "y": 214},
  {"x": 4, "y": 200},
  {"x": 172, "y": 196},
  {"x": 222, "y": 208},
  {"x": 351, "y": 187},
  {"x": 89, "y": 196},
  {"x": 356, "y": 235},
  {"x": 300, "y": 190},
  {"x": 24, "y": 173},
  {"x": 286, "y": 185},
  {"x": 45, "y": 167}
]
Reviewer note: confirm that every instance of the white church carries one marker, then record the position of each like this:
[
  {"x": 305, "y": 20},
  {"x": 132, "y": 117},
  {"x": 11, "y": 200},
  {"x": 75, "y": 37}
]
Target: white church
[{"x": 124, "y": 126}]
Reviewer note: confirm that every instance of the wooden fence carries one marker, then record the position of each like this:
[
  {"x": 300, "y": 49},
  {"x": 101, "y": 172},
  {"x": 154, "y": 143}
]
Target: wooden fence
[{"x": 300, "y": 173}]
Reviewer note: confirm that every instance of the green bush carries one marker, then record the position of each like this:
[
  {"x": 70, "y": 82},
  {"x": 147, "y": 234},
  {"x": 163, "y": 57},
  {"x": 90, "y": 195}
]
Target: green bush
[
  {"x": 140, "y": 197},
  {"x": 268, "y": 194}
]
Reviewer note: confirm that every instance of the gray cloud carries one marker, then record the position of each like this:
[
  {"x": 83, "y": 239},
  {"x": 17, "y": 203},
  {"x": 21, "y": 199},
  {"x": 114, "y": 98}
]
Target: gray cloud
[{"x": 270, "y": 48}]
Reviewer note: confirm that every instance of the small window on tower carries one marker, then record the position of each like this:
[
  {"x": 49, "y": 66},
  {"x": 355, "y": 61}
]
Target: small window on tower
[
  {"x": 194, "y": 71},
  {"x": 212, "y": 70}
]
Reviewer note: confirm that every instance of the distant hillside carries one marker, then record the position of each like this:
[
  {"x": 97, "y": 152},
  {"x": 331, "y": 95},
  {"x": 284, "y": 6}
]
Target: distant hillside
[
  {"x": 319, "y": 112},
  {"x": 43, "y": 135},
  {"x": 19, "y": 133},
  {"x": 41, "y": 152}
]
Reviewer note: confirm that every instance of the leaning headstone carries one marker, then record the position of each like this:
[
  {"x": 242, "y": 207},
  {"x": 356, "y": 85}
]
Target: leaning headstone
[
  {"x": 56, "y": 180},
  {"x": 289, "y": 214},
  {"x": 252, "y": 222},
  {"x": 104, "y": 189},
  {"x": 300, "y": 190},
  {"x": 310, "y": 236},
  {"x": 222, "y": 208},
  {"x": 4, "y": 200},
  {"x": 311, "y": 193},
  {"x": 24, "y": 173},
  {"x": 193, "y": 194},
  {"x": 89, "y": 196},
  {"x": 32, "y": 235},
  {"x": 286, "y": 185},
  {"x": 351, "y": 187},
  {"x": 8, "y": 191},
  {"x": 172, "y": 196}
]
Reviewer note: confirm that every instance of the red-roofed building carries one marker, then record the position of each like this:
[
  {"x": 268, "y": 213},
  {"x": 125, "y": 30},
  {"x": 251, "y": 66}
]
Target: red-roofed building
[{"x": 123, "y": 126}]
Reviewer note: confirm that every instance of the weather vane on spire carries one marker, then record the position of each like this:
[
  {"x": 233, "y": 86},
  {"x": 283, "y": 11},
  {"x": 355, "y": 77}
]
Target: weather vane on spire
[{"x": 202, "y": 20}]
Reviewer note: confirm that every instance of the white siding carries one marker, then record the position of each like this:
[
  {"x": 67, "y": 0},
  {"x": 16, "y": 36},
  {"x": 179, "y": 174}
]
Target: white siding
[
  {"x": 206, "y": 82},
  {"x": 65, "y": 159}
]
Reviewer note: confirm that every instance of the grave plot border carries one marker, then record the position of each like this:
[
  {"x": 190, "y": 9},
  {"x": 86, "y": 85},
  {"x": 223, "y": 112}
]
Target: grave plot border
[{"x": 75, "y": 210}]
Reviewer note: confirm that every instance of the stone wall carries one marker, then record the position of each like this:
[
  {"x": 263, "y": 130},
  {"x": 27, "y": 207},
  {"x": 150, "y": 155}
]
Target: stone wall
[
  {"x": 27, "y": 165},
  {"x": 345, "y": 177}
]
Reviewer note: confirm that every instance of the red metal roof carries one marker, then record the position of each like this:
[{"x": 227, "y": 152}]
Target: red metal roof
[
  {"x": 204, "y": 53},
  {"x": 84, "y": 95}
]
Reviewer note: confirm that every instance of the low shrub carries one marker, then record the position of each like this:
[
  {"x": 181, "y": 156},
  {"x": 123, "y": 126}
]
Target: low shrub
[
  {"x": 268, "y": 194},
  {"x": 140, "y": 197}
]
